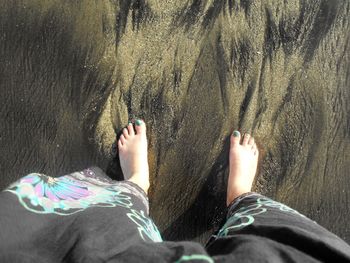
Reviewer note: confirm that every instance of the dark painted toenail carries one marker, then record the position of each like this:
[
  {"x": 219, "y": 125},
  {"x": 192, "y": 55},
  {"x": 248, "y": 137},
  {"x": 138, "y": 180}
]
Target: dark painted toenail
[
  {"x": 129, "y": 123},
  {"x": 236, "y": 134},
  {"x": 138, "y": 122}
]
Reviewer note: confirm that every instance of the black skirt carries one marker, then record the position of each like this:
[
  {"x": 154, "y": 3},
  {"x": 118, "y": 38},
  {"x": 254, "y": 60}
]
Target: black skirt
[{"x": 87, "y": 217}]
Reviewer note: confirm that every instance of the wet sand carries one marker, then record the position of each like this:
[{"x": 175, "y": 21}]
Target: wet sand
[{"x": 72, "y": 74}]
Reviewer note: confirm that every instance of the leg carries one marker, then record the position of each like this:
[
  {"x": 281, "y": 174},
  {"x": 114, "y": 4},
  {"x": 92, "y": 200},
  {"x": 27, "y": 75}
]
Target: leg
[
  {"x": 133, "y": 159},
  {"x": 260, "y": 228},
  {"x": 85, "y": 214}
]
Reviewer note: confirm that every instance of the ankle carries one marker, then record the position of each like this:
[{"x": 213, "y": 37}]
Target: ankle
[
  {"x": 235, "y": 192},
  {"x": 141, "y": 183}
]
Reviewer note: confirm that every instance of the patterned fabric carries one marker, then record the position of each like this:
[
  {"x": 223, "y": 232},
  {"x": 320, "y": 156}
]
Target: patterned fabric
[
  {"x": 78, "y": 191},
  {"x": 245, "y": 216},
  {"x": 87, "y": 217}
]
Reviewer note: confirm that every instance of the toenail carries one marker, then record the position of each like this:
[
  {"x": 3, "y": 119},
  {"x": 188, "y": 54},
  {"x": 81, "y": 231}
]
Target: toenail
[
  {"x": 130, "y": 123},
  {"x": 138, "y": 122},
  {"x": 236, "y": 134}
]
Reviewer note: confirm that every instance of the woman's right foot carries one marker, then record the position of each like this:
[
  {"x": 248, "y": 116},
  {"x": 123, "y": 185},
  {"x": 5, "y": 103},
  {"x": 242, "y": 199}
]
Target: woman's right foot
[{"x": 243, "y": 164}]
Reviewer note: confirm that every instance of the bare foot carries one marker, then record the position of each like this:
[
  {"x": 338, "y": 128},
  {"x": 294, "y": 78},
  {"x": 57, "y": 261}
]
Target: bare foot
[
  {"x": 243, "y": 165},
  {"x": 133, "y": 154}
]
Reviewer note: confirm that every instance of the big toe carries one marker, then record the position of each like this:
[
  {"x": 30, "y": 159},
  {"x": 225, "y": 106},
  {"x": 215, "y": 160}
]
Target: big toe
[
  {"x": 235, "y": 138},
  {"x": 140, "y": 127}
]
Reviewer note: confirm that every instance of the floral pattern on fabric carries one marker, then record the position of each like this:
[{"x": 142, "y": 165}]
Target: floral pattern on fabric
[
  {"x": 244, "y": 216},
  {"x": 195, "y": 258},
  {"x": 66, "y": 195},
  {"x": 147, "y": 229},
  {"x": 69, "y": 194}
]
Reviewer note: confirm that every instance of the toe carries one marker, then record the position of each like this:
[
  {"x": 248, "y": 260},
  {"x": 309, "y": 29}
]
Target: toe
[
  {"x": 235, "y": 138},
  {"x": 131, "y": 129},
  {"x": 122, "y": 139},
  {"x": 120, "y": 145},
  {"x": 245, "y": 139},
  {"x": 126, "y": 133},
  {"x": 251, "y": 140},
  {"x": 140, "y": 127},
  {"x": 255, "y": 149}
]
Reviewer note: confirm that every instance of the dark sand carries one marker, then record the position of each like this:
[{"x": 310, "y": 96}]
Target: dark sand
[{"x": 73, "y": 72}]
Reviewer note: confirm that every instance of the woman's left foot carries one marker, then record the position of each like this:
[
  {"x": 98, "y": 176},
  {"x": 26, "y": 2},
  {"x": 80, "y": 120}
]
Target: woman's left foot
[{"x": 133, "y": 154}]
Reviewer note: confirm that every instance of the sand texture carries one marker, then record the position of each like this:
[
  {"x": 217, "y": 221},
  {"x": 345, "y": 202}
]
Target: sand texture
[{"x": 72, "y": 73}]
